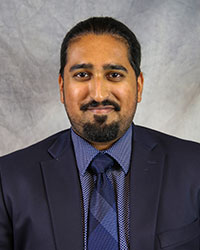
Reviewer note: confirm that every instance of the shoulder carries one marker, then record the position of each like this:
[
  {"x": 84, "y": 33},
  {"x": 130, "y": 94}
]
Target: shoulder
[
  {"x": 163, "y": 137},
  {"x": 181, "y": 158},
  {"x": 33, "y": 153},
  {"x": 174, "y": 147}
]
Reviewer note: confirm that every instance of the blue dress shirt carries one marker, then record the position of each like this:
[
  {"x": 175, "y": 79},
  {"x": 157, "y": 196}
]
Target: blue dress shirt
[{"x": 121, "y": 152}]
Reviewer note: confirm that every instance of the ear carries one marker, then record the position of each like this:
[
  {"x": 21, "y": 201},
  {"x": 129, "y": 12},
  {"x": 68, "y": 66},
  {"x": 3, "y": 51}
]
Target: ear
[
  {"x": 61, "y": 87},
  {"x": 140, "y": 82}
]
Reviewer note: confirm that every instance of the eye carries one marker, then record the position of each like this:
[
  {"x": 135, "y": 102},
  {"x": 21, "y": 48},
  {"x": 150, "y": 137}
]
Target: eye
[
  {"x": 115, "y": 76},
  {"x": 82, "y": 76}
]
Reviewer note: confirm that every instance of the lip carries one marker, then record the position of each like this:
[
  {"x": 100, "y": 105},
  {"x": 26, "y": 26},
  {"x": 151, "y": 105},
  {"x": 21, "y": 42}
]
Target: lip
[{"x": 101, "y": 109}]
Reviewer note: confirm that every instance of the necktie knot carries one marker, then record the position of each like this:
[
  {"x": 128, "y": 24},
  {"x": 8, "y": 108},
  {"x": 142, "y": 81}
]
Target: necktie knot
[{"x": 101, "y": 163}]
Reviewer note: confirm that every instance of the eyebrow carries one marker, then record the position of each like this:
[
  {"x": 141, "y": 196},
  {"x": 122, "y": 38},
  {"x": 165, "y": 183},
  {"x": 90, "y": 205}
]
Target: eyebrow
[
  {"x": 81, "y": 66},
  {"x": 115, "y": 66},
  {"x": 105, "y": 67}
]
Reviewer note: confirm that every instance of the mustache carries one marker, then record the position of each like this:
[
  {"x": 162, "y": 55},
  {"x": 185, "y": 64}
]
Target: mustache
[{"x": 94, "y": 104}]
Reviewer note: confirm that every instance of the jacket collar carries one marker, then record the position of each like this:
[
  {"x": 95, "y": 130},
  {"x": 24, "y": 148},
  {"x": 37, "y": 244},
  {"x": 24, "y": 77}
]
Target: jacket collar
[{"x": 61, "y": 144}]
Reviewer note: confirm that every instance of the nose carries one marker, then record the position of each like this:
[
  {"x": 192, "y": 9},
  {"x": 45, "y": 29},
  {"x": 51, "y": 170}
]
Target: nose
[{"x": 99, "y": 89}]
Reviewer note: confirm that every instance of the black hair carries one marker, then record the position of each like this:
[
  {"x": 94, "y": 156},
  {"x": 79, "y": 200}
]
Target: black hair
[{"x": 103, "y": 25}]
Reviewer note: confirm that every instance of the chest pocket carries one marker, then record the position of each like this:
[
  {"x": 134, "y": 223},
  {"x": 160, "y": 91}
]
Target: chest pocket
[{"x": 177, "y": 237}]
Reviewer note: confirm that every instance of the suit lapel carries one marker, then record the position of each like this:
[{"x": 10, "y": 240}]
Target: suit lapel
[
  {"x": 145, "y": 184},
  {"x": 63, "y": 193}
]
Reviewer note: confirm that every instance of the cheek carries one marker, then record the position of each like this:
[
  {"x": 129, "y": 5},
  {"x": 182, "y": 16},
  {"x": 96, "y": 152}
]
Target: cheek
[
  {"x": 126, "y": 95},
  {"x": 75, "y": 94}
]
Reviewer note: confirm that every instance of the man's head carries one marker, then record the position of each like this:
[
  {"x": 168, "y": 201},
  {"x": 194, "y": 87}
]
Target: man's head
[{"x": 100, "y": 79}]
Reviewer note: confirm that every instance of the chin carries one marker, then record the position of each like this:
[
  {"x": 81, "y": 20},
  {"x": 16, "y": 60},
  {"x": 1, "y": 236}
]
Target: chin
[{"x": 103, "y": 132}]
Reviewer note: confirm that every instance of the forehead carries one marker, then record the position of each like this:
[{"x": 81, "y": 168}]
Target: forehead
[{"x": 92, "y": 48}]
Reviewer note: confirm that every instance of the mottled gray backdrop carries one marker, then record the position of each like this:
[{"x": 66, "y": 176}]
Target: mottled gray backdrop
[{"x": 31, "y": 32}]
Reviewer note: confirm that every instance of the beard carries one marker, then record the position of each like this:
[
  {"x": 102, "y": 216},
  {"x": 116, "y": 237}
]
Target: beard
[{"x": 98, "y": 130}]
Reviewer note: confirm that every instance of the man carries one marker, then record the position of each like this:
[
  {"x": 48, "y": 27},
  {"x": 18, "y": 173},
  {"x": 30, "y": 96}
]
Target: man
[{"x": 57, "y": 193}]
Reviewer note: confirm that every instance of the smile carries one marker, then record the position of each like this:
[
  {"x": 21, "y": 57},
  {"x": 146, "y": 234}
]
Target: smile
[{"x": 101, "y": 109}]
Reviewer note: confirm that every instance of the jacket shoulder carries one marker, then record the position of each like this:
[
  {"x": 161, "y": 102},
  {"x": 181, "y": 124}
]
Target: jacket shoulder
[
  {"x": 178, "y": 150},
  {"x": 36, "y": 152},
  {"x": 170, "y": 144}
]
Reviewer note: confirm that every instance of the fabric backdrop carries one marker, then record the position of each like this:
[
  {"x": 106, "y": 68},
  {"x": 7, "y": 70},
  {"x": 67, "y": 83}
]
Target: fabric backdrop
[{"x": 31, "y": 32}]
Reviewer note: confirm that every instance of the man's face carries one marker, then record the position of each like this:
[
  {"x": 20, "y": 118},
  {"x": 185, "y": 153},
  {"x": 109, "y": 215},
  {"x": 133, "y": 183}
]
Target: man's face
[{"x": 99, "y": 89}]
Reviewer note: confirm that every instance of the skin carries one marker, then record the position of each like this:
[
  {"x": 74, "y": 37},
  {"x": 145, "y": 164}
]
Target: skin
[{"x": 95, "y": 79}]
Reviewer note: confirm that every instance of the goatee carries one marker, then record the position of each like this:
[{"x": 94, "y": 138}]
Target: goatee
[{"x": 100, "y": 133}]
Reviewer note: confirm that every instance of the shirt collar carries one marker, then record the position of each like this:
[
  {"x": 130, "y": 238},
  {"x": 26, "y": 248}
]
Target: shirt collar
[{"x": 120, "y": 151}]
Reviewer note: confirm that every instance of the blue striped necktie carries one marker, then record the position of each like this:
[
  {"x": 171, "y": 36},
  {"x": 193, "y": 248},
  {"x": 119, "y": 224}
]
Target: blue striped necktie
[{"x": 102, "y": 229}]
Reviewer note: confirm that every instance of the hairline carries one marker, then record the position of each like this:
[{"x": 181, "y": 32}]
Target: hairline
[{"x": 118, "y": 37}]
